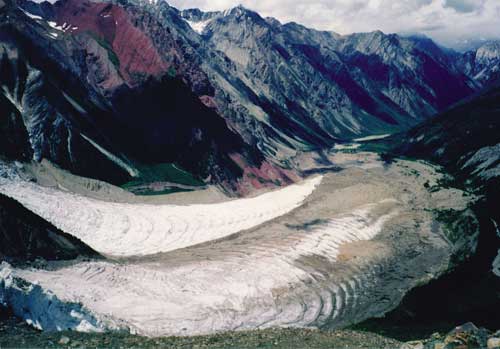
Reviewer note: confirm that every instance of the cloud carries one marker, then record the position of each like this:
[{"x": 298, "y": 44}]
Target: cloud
[
  {"x": 446, "y": 21},
  {"x": 464, "y": 6}
]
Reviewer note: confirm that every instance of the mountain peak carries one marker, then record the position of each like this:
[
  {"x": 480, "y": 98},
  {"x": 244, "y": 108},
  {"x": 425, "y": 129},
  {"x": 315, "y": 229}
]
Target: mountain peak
[
  {"x": 489, "y": 51},
  {"x": 197, "y": 16},
  {"x": 273, "y": 21},
  {"x": 239, "y": 11}
]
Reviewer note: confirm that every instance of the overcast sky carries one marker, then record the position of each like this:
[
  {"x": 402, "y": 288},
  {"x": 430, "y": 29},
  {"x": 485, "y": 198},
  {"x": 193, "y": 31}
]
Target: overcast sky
[{"x": 446, "y": 21}]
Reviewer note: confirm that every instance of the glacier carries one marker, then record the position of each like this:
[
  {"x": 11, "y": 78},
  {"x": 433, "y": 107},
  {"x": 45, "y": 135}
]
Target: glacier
[
  {"x": 121, "y": 229},
  {"x": 217, "y": 289},
  {"x": 329, "y": 251}
]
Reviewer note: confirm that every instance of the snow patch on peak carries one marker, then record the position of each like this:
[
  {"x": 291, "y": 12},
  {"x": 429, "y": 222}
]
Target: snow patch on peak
[
  {"x": 55, "y": 26},
  {"x": 30, "y": 15},
  {"x": 199, "y": 26},
  {"x": 237, "y": 11}
]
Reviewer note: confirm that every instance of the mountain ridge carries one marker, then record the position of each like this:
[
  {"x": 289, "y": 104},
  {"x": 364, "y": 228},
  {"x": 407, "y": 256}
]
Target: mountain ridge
[
  {"x": 340, "y": 52},
  {"x": 239, "y": 101}
]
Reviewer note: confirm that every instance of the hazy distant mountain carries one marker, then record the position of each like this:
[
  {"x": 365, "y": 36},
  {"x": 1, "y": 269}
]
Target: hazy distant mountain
[{"x": 483, "y": 63}]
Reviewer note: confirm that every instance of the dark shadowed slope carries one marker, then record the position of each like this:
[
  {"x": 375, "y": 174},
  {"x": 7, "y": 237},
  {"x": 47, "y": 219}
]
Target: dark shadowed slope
[
  {"x": 26, "y": 237},
  {"x": 466, "y": 141},
  {"x": 101, "y": 99}
]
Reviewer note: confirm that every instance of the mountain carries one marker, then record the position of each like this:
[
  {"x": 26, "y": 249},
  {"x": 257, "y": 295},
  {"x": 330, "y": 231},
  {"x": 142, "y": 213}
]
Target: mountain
[
  {"x": 464, "y": 140},
  {"x": 343, "y": 85},
  {"x": 483, "y": 63},
  {"x": 156, "y": 100},
  {"x": 121, "y": 90},
  {"x": 103, "y": 99}
]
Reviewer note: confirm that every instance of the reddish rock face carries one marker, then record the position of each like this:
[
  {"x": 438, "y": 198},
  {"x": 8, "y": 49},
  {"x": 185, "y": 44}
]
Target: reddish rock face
[
  {"x": 111, "y": 46},
  {"x": 265, "y": 176},
  {"x": 132, "y": 52},
  {"x": 123, "y": 51}
]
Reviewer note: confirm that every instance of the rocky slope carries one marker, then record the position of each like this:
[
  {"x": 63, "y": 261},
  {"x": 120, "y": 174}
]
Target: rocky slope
[
  {"x": 15, "y": 334},
  {"x": 26, "y": 237},
  {"x": 105, "y": 88},
  {"x": 339, "y": 85},
  {"x": 465, "y": 141},
  {"x": 464, "y": 336},
  {"x": 83, "y": 97}
]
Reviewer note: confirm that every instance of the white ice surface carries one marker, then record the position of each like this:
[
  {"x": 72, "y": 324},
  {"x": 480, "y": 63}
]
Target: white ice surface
[
  {"x": 121, "y": 229},
  {"x": 41, "y": 309},
  {"x": 240, "y": 286}
]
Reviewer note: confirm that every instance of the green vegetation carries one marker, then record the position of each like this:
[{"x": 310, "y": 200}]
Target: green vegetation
[
  {"x": 162, "y": 173},
  {"x": 168, "y": 172},
  {"x": 171, "y": 72},
  {"x": 383, "y": 146},
  {"x": 107, "y": 46},
  {"x": 462, "y": 229},
  {"x": 455, "y": 223}
]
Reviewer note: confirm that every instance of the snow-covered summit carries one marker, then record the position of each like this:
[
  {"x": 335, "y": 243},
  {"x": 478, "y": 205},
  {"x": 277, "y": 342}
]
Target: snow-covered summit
[{"x": 198, "y": 20}]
